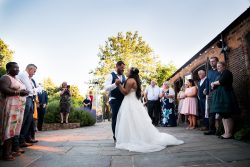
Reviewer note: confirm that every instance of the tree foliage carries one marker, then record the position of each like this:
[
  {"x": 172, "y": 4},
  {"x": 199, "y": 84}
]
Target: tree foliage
[
  {"x": 51, "y": 88},
  {"x": 163, "y": 72},
  {"x": 5, "y": 56},
  {"x": 131, "y": 49},
  {"x": 135, "y": 52}
]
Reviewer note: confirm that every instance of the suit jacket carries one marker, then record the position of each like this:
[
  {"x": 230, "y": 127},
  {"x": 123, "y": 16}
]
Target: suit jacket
[
  {"x": 201, "y": 89},
  {"x": 43, "y": 97}
]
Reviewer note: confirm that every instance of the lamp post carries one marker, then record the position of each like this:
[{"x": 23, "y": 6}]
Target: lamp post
[{"x": 96, "y": 95}]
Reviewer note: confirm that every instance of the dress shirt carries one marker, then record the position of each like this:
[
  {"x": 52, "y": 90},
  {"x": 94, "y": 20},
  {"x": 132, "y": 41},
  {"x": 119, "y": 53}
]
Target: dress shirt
[
  {"x": 153, "y": 92},
  {"x": 25, "y": 79},
  {"x": 202, "y": 80}
]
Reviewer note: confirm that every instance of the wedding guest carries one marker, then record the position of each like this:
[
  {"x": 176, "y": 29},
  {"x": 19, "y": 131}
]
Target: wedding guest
[
  {"x": 167, "y": 96},
  {"x": 143, "y": 99},
  {"x": 211, "y": 76},
  {"x": 106, "y": 107},
  {"x": 65, "y": 102},
  {"x": 152, "y": 96},
  {"x": 91, "y": 98},
  {"x": 87, "y": 103},
  {"x": 190, "y": 106},
  {"x": 202, "y": 99},
  {"x": 25, "y": 77},
  {"x": 223, "y": 99},
  {"x": 180, "y": 98},
  {"x": 12, "y": 105},
  {"x": 30, "y": 138},
  {"x": 43, "y": 101}
]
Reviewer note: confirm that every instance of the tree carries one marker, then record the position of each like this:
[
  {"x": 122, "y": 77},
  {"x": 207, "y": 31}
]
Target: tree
[
  {"x": 131, "y": 49},
  {"x": 50, "y": 86},
  {"x": 163, "y": 72},
  {"x": 75, "y": 92},
  {"x": 5, "y": 56},
  {"x": 76, "y": 97}
]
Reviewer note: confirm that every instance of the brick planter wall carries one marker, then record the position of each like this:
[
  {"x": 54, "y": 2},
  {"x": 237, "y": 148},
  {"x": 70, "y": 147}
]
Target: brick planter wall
[{"x": 58, "y": 126}]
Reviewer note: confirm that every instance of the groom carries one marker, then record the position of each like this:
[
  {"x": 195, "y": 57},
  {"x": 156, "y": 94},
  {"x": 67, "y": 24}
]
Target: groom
[{"x": 115, "y": 96}]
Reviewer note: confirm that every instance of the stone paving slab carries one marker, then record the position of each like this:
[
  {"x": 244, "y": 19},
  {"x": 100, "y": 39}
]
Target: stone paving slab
[
  {"x": 72, "y": 161},
  {"x": 93, "y": 147},
  {"x": 175, "y": 159}
]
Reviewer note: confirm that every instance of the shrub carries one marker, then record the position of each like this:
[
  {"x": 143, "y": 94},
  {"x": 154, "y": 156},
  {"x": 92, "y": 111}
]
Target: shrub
[
  {"x": 53, "y": 115},
  {"x": 82, "y": 116},
  {"x": 243, "y": 133},
  {"x": 76, "y": 102}
]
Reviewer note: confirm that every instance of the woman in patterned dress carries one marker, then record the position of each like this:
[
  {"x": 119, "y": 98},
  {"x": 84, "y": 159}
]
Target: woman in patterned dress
[
  {"x": 12, "y": 104},
  {"x": 167, "y": 105},
  {"x": 65, "y": 102}
]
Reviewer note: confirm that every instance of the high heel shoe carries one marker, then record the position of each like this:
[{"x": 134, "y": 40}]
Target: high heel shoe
[
  {"x": 221, "y": 137},
  {"x": 8, "y": 158}
]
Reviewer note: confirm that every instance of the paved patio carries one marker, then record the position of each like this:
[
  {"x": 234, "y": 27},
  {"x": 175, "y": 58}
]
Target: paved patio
[{"x": 93, "y": 147}]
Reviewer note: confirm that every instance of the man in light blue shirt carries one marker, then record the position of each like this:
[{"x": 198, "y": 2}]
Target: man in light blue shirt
[
  {"x": 152, "y": 97},
  {"x": 25, "y": 77}
]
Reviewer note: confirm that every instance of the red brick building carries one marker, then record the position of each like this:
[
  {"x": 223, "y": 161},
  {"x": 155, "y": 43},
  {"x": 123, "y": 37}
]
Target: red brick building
[{"x": 232, "y": 45}]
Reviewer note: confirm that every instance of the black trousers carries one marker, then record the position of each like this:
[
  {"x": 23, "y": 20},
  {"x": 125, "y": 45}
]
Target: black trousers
[
  {"x": 202, "y": 107},
  {"x": 115, "y": 105},
  {"x": 41, "y": 111},
  {"x": 211, "y": 115},
  {"x": 154, "y": 108},
  {"x": 27, "y": 119}
]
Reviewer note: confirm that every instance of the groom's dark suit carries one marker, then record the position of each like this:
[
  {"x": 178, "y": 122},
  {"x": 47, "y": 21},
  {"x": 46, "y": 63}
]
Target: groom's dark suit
[{"x": 116, "y": 100}]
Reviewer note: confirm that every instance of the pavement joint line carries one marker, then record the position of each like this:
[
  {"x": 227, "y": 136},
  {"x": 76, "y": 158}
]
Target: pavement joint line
[
  {"x": 68, "y": 149},
  {"x": 33, "y": 161},
  {"x": 110, "y": 163},
  {"x": 216, "y": 157},
  {"x": 199, "y": 165}
]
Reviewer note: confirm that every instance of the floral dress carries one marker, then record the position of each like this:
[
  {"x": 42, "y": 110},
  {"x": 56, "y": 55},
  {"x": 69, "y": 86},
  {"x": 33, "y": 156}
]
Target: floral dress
[
  {"x": 168, "y": 115},
  {"x": 11, "y": 111}
]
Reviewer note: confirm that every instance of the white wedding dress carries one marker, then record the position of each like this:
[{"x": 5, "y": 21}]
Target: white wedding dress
[{"x": 134, "y": 129}]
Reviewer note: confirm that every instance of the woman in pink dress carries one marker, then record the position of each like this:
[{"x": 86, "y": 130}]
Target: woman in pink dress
[
  {"x": 180, "y": 98},
  {"x": 12, "y": 104},
  {"x": 189, "y": 106}
]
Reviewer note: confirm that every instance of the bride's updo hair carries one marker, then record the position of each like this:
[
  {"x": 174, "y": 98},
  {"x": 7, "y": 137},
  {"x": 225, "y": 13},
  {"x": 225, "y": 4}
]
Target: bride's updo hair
[{"x": 134, "y": 73}]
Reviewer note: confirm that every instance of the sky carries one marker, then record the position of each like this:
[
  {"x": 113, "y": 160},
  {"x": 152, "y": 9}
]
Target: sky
[{"x": 62, "y": 37}]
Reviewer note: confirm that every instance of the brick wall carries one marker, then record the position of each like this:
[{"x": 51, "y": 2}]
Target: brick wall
[{"x": 238, "y": 63}]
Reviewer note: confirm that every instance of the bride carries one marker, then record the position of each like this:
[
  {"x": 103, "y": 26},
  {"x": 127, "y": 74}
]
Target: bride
[{"x": 134, "y": 128}]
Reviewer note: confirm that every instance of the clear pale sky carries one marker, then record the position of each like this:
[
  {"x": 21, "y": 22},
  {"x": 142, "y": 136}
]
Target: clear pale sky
[{"x": 62, "y": 37}]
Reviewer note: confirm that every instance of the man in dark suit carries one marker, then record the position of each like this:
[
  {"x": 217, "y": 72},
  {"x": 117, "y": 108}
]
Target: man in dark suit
[
  {"x": 41, "y": 108},
  {"x": 202, "y": 99}
]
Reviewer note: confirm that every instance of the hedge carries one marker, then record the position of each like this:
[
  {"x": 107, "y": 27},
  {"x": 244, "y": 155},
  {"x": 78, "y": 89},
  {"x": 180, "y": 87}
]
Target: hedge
[{"x": 52, "y": 115}]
